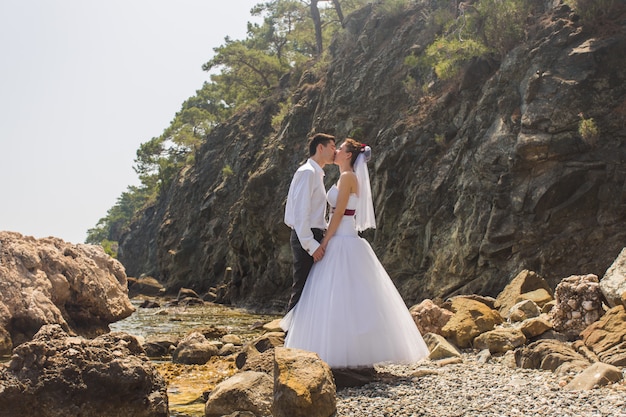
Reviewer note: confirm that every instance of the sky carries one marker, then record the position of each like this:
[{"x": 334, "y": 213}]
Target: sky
[{"x": 82, "y": 84}]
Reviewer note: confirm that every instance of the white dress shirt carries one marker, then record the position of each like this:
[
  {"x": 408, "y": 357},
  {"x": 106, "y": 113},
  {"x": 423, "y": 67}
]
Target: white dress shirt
[{"x": 306, "y": 204}]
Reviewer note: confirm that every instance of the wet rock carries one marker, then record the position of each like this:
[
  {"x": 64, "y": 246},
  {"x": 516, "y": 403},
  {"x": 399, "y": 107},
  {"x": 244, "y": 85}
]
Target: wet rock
[
  {"x": 150, "y": 304},
  {"x": 246, "y": 391},
  {"x": 212, "y": 332},
  {"x": 147, "y": 286},
  {"x": 194, "y": 349},
  {"x": 159, "y": 346},
  {"x": 186, "y": 293}
]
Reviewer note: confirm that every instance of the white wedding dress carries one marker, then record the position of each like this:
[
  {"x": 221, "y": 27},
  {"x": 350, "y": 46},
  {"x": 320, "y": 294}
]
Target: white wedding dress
[{"x": 350, "y": 312}]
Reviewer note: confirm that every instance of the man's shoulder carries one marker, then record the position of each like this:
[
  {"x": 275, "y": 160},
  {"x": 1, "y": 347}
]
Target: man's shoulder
[{"x": 306, "y": 167}]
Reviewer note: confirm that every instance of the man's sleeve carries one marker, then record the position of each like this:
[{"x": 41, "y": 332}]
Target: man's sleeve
[{"x": 302, "y": 205}]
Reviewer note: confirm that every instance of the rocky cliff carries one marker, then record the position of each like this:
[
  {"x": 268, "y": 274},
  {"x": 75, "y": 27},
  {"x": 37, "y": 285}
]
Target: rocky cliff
[{"x": 474, "y": 179}]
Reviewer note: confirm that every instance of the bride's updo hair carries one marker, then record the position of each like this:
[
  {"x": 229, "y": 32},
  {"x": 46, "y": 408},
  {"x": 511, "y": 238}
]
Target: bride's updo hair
[{"x": 356, "y": 148}]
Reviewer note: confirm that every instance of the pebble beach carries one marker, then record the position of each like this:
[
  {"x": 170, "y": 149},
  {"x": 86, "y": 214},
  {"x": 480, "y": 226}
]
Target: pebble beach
[{"x": 473, "y": 388}]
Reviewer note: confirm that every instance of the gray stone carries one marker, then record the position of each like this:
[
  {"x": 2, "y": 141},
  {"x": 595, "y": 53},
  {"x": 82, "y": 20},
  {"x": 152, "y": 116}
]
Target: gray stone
[
  {"x": 194, "y": 349},
  {"x": 613, "y": 283}
]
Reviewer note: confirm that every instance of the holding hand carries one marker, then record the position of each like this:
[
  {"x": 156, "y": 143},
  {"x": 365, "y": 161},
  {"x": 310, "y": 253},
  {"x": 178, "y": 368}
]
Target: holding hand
[{"x": 319, "y": 253}]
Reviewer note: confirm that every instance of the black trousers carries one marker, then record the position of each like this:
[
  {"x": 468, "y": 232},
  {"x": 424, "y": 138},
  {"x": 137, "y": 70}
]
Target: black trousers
[{"x": 302, "y": 264}]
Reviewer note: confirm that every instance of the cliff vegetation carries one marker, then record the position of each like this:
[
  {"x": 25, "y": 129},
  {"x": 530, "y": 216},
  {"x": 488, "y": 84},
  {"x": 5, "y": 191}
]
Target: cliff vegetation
[{"x": 499, "y": 137}]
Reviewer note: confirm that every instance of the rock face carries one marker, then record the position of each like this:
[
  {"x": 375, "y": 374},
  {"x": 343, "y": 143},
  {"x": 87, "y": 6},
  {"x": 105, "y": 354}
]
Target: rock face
[
  {"x": 57, "y": 375},
  {"x": 48, "y": 281},
  {"x": 473, "y": 181}
]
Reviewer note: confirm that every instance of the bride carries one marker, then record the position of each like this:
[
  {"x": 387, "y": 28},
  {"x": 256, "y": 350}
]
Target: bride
[{"x": 350, "y": 312}]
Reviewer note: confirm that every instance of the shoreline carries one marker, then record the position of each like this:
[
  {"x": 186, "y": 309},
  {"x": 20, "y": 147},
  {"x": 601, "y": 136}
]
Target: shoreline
[{"x": 472, "y": 388}]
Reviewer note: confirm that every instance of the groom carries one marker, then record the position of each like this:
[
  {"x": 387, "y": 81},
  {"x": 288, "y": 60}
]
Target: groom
[{"x": 305, "y": 212}]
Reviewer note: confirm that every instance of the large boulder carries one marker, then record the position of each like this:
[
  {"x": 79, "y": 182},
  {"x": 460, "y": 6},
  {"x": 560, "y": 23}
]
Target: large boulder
[
  {"x": 471, "y": 318},
  {"x": 303, "y": 385},
  {"x": 49, "y": 281},
  {"x": 58, "y": 375}
]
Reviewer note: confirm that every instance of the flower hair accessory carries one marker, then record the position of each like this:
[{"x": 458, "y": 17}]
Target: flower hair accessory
[{"x": 366, "y": 151}]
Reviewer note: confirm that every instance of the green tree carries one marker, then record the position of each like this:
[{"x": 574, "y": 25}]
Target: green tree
[
  {"x": 148, "y": 156},
  {"x": 246, "y": 74},
  {"x": 478, "y": 29},
  {"x": 115, "y": 223},
  {"x": 242, "y": 72}
]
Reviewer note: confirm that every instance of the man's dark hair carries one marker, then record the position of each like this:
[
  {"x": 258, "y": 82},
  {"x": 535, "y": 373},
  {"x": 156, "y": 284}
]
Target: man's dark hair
[{"x": 317, "y": 139}]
